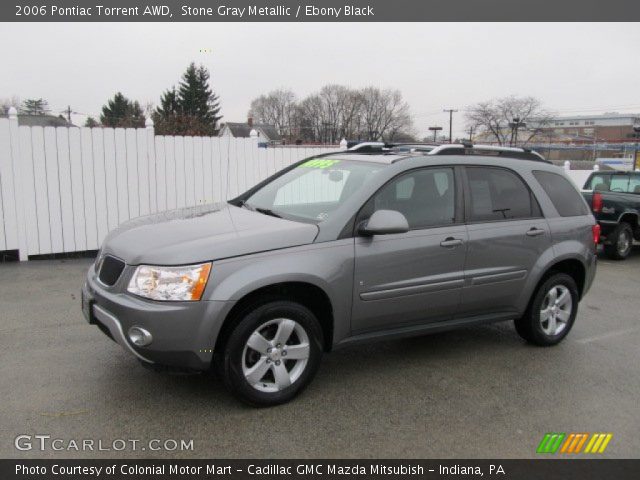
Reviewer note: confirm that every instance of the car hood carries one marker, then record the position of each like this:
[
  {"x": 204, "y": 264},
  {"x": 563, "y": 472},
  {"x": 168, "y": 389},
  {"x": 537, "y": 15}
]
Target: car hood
[{"x": 203, "y": 233}]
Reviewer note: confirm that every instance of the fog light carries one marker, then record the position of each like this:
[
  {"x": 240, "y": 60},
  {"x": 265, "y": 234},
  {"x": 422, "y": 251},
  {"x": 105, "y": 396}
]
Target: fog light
[{"x": 140, "y": 337}]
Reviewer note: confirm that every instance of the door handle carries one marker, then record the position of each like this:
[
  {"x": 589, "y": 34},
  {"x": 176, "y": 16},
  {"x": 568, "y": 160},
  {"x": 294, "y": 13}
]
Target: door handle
[
  {"x": 535, "y": 231},
  {"x": 451, "y": 242}
]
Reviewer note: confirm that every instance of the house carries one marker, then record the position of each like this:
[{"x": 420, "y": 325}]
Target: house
[
  {"x": 266, "y": 133},
  {"x": 40, "y": 120}
]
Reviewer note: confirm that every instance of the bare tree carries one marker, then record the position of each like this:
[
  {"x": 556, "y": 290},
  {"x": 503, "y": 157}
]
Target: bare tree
[
  {"x": 276, "y": 108},
  {"x": 337, "y": 112},
  {"x": 35, "y": 106},
  {"x": 503, "y": 119},
  {"x": 384, "y": 113}
]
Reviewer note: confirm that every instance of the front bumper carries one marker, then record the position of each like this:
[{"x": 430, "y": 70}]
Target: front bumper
[{"x": 184, "y": 333}]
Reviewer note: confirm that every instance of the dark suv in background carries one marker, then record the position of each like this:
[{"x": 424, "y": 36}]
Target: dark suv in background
[
  {"x": 615, "y": 201},
  {"x": 374, "y": 243}
]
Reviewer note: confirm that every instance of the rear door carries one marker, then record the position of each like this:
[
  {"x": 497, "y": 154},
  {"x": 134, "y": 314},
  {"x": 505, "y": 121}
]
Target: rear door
[
  {"x": 414, "y": 277},
  {"x": 507, "y": 235}
]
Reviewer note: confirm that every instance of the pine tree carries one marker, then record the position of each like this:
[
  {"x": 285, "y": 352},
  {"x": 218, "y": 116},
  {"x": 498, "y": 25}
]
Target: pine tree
[
  {"x": 191, "y": 109},
  {"x": 91, "y": 122},
  {"x": 122, "y": 112}
]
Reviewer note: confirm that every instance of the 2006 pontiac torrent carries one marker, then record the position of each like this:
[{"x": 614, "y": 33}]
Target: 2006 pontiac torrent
[{"x": 375, "y": 243}]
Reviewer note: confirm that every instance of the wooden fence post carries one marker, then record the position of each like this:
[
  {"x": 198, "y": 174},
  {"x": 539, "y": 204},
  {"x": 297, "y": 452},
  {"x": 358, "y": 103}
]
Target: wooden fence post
[
  {"x": 18, "y": 189},
  {"x": 151, "y": 162}
]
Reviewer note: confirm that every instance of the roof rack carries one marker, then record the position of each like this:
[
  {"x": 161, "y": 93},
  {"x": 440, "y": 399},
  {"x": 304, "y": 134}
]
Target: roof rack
[
  {"x": 464, "y": 148},
  {"x": 489, "y": 150}
]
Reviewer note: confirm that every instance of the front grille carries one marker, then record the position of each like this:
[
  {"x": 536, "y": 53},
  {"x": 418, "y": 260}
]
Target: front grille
[{"x": 110, "y": 270}]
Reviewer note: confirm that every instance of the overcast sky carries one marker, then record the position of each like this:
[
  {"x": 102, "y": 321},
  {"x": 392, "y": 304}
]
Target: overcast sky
[{"x": 572, "y": 68}]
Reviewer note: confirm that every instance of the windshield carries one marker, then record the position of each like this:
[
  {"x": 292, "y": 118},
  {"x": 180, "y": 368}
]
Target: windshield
[{"x": 313, "y": 190}]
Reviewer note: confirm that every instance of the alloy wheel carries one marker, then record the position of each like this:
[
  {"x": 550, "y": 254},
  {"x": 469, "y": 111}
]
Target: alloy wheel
[
  {"x": 275, "y": 355},
  {"x": 556, "y": 309}
]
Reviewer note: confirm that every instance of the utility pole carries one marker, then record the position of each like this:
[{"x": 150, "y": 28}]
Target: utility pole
[
  {"x": 451, "y": 112},
  {"x": 68, "y": 112},
  {"x": 471, "y": 130}
]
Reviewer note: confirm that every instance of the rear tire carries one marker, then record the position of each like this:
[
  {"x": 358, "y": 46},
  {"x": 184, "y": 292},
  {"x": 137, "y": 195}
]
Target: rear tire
[
  {"x": 272, "y": 353},
  {"x": 551, "y": 312},
  {"x": 619, "y": 242}
]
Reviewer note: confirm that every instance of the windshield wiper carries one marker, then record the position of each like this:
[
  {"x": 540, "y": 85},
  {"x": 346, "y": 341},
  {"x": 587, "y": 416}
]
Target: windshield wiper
[
  {"x": 243, "y": 203},
  {"x": 266, "y": 211}
]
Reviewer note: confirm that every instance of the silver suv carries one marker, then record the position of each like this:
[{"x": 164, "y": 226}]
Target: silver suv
[{"x": 346, "y": 248}]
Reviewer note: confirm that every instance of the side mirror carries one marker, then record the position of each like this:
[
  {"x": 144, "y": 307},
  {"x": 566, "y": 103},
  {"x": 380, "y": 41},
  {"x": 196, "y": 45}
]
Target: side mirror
[{"x": 384, "y": 222}]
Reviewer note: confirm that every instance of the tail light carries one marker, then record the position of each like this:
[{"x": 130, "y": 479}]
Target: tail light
[
  {"x": 596, "y": 202},
  {"x": 595, "y": 230}
]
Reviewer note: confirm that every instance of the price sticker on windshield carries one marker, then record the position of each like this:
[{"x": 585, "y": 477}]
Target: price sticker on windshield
[{"x": 319, "y": 163}]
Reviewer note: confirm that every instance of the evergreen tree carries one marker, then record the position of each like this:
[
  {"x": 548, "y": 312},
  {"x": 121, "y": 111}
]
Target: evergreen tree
[
  {"x": 122, "y": 112},
  {"x": 34, "y": 106},
  {"x": 169, "y": 105},
  {"x": 91, "y": 122},
  {"x": 191, "y": 109}
]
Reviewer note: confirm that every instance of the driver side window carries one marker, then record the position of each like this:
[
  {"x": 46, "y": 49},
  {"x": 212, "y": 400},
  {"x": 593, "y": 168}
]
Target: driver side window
[{"x": 426, "y": 197}]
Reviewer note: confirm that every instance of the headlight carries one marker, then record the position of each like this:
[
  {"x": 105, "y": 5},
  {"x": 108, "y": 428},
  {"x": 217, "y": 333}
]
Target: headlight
[{"x": 184, "y": 283}]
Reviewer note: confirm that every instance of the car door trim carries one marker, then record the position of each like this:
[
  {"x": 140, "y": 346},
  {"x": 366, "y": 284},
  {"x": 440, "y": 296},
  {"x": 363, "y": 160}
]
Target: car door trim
[
  {"x": 411, "y": 290},
  {"x": 497, "y": 277}
]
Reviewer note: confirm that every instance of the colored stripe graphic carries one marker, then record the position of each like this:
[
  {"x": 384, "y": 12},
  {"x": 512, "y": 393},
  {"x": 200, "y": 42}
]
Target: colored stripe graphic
[
  {"x": 554, "y": 442},
  {"x": 598, "y": 443},
  {"x": 574, "y": 443},
  {"x": 550, "y": 443}
]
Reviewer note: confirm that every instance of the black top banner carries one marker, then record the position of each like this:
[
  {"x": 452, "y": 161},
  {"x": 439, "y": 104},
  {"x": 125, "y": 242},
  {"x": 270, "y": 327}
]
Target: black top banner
[{"x": 319, "y": 11}]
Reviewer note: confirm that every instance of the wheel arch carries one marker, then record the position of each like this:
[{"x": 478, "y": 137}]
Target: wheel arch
[
  {"x": 306, "y": 293},
  {"x": 631, "y": 218},
  {"x": 572, "y": 266}
]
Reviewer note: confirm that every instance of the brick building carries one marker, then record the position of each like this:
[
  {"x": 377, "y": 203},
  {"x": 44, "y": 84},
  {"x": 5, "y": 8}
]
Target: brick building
[{"x": 608, "y": 127}]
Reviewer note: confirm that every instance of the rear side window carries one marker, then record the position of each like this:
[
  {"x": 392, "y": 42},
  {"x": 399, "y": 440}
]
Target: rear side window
[
  {"x": 598, "y": 182},
  {"x": 563, "y": 195},
  {"x": 613, "y": 183},
  {"x": 498, "y": 194}
]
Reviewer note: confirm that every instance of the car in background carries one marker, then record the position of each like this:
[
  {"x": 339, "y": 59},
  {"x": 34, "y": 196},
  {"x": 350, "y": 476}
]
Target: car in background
[{"x": 614, "y": 197}]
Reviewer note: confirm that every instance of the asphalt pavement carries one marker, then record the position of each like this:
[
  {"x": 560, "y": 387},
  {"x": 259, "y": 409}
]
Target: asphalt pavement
[{"x": 473, "y": 393}]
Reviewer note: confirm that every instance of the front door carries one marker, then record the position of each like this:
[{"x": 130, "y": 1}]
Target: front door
[{"x": 414, "y": 277}]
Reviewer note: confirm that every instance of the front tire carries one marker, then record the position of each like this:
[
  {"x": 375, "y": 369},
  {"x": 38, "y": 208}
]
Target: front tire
[
  {"x": 619, "y": 242},
  {"x": 551, "y": 313},
  {"x": 272, "y": 353}
]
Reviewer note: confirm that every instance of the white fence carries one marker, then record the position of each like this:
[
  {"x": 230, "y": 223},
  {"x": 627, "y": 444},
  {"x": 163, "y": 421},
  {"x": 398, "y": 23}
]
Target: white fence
[{"x": 62, "y": 189}]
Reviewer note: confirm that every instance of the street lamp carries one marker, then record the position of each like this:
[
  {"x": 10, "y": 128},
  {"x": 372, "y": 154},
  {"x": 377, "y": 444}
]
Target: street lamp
[
  {"x": 515, "y": 125},
  {"x": 435, "y": 131}
]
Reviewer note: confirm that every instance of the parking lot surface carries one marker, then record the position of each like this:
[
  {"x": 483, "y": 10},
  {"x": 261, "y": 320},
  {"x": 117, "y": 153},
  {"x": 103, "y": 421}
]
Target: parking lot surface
[{"x": 478, "y": 392}]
